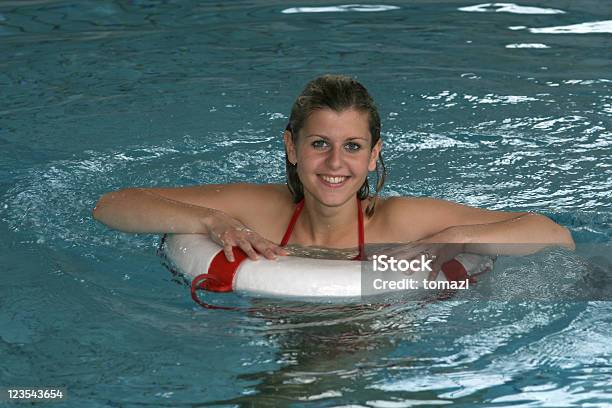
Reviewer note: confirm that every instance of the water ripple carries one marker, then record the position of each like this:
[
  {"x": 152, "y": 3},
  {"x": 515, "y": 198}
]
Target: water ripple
[
  {"x": 509, "y": 8},
  {"x": 341, "y": 8},
  {"x": 593, "y": 27}
]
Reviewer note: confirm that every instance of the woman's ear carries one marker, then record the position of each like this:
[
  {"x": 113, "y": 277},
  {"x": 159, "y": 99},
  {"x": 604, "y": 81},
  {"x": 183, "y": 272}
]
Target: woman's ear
[
  {"x": 290, "y": 147},
  {"x": 374, "y": 155}
]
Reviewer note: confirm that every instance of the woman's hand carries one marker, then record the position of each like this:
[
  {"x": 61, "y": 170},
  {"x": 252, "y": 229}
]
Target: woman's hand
[
  {"x": 445, "y": 246},
  {"x": 439, "y": 254},
  {"x": 229, "y": 232}
]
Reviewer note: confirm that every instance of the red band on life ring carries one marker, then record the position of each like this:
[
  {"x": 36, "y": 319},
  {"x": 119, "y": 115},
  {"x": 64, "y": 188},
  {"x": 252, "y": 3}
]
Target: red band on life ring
[
  {"x": 222, "y": 271},
  {"x": 219, "y": 277},
  {"x": 455, "y": 271}
]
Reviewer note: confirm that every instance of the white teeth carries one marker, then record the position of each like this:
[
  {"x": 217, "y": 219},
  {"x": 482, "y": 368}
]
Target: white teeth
[{"x": 333, "y": 180}]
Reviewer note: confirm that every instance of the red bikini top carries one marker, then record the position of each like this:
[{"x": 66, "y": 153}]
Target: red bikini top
[{"x": 296, "y": 214}]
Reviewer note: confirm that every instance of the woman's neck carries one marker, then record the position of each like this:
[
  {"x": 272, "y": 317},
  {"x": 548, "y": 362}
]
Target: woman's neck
[{"x": 324, "y": 226}]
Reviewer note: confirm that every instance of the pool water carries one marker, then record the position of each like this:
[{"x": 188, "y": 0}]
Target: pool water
[{"x": 497, "y": 105}]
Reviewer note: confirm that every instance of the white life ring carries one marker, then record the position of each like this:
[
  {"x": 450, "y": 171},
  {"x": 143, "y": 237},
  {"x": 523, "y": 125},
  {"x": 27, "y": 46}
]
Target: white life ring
[{"x": 289, "y": 276}]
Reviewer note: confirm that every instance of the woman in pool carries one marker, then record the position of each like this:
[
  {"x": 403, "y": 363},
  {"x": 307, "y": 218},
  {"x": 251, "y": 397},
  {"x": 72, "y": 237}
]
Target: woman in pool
[{"x": 331, "y": 143}]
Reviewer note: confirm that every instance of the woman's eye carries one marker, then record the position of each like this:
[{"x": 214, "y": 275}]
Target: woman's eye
[
  {"x": 352, "y": 146},
  {"x": 319, "y": 144}
]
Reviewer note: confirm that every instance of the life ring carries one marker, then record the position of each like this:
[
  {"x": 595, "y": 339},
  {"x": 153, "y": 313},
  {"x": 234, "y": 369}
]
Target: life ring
[{"x": 202, "y": 261}]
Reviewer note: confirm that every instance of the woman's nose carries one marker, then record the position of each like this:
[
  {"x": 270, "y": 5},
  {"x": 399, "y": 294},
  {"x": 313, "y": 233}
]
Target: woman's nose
[{"x": 334, "y": 157}]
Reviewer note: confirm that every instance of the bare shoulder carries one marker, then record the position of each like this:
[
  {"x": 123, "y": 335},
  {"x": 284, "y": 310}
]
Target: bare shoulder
[
  {"x": 236, "y": 199},
  {"x": 398, "y": 219},
  {"x": 413, "y": 218},
  {"x": 398, "y": 203},
  {"x": 403, "y": 206}
]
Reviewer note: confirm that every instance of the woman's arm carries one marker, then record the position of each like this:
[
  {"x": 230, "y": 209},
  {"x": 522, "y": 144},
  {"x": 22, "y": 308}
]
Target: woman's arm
[
  {"x": 189, "y": 210},
  {"x": 525, "y": 234},
  {"x": 142, "y": 210},
  {"x": 438, "y": 221},
  {"x": 181, "y": 209}
]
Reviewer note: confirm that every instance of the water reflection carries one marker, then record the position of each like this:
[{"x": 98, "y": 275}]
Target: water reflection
[
  {"x": 329, "y": 352},
  {"x": 433, "y": 351}
]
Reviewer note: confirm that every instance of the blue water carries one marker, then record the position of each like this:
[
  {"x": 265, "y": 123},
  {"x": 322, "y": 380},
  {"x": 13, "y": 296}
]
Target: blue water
[{"x": 505, "y": 107}]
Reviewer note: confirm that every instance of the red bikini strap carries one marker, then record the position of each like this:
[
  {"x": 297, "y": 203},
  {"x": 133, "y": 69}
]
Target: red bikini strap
[
  {"x": 361, "y": 256},
  {"x": 361, "y": 234},
  {"x": 296, "y": 214}
]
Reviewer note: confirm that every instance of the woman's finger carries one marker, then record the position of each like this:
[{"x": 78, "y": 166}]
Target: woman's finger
[
  {"x": 265, "y": 247},
  {"x": 269, "y": 253},
  {"x": 278, "y": 250},
  {"x": 247, "y": 248},
  {"x": 435, "y": 270},
  {"x": 228, "y": 250},
  {"x": 221, "y": 242}
]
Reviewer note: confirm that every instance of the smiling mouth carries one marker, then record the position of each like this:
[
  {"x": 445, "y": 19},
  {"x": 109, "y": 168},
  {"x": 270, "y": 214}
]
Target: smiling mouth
[{"x": 333, "y": 181}]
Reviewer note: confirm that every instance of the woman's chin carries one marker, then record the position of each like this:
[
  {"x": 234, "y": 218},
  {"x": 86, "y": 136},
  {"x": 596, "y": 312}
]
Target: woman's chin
[{"x": 333, "y": 199}]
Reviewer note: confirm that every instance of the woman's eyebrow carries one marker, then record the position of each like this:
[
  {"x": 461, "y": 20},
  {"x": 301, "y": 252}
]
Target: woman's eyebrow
[{"x": 327, "y": 137}]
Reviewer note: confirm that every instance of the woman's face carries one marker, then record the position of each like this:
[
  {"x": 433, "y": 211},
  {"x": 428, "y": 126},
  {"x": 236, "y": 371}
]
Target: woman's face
[{"x": 333, "y": 154}]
